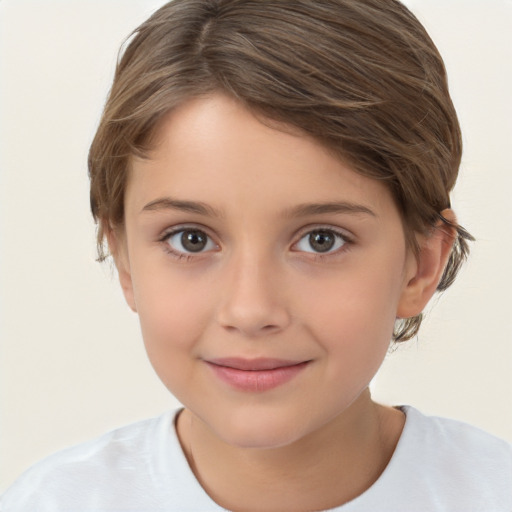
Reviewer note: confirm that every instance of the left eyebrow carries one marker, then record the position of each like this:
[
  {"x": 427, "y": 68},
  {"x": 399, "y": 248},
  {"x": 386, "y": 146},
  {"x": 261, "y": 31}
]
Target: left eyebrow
[{"x": 303, "y": 210}]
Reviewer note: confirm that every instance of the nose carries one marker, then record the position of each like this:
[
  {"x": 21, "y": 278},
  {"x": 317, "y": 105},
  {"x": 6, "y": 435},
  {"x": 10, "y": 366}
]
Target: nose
[{"x": 253, "y": 299}]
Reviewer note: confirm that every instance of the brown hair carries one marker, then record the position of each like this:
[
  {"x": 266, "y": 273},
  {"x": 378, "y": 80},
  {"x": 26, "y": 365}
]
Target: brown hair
[{"x": 360, "y": 76}]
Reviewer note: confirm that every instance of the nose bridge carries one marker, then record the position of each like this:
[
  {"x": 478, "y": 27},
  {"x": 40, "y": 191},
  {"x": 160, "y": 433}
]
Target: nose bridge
[{"x": 253, "y": 298}]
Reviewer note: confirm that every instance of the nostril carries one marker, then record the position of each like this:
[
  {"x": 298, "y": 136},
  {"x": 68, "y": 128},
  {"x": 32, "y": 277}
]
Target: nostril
[
  {"x": 265, "y": 329},
  {"x": 270, "y": 327}
]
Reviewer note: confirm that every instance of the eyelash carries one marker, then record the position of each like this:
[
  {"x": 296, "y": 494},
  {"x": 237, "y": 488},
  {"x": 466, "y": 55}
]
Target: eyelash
[
  {"x": 347, "y": 241},
  {"x": 179, "y": 255}
]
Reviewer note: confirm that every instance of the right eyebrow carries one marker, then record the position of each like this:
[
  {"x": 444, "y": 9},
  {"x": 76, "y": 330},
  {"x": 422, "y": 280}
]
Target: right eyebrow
[{"x": 169, "y": 203}]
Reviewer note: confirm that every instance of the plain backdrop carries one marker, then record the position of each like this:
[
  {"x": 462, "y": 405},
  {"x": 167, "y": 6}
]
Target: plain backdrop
[{"x": 72, "y": 364}]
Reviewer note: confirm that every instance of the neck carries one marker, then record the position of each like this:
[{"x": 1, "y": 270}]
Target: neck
[{"x": 322, "y": 470}]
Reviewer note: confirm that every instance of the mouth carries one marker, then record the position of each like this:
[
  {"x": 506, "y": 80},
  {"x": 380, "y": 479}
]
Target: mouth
[{"x": 256, "y": 375}]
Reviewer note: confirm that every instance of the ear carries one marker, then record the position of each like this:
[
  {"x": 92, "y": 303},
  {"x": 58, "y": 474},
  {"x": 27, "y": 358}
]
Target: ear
[
  {"x": 119, "y": 250},
  {"x": 426, "y": 269}
]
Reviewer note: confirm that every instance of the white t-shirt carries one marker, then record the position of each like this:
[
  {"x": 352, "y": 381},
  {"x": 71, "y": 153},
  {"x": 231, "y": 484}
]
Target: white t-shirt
[{"x": 438, "y": 465}]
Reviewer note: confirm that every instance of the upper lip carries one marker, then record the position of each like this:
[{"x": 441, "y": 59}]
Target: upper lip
[{"x": 257, "y": 364}]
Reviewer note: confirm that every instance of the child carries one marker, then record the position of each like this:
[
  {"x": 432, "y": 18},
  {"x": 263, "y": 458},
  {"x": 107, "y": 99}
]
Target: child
[{"x": 272, "y": 180}]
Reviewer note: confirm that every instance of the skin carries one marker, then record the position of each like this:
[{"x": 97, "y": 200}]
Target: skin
[{"x": 259, "y": 289}]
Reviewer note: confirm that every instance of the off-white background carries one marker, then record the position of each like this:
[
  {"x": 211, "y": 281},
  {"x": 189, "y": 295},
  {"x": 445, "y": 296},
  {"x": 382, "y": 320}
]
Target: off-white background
[{"x": 72, "y": 363}]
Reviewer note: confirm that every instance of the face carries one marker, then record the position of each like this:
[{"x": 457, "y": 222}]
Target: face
[{"x": 267, "y": 274}]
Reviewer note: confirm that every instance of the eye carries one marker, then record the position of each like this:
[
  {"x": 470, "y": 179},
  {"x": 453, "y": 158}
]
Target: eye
[
  {"x": 321, "y": 241},
  {"x": 189, "y": 241}
]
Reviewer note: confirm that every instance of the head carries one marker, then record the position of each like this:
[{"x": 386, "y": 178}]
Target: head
[{"x": 360, "y": 77}]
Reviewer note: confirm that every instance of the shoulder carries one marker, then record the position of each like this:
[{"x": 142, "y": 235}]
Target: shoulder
[
  {"x": 124, "y": 459},
  {"x": 442, "y": 465},
  {"x": 466, "y": 466},
  {"x": 441, "y": 438}
]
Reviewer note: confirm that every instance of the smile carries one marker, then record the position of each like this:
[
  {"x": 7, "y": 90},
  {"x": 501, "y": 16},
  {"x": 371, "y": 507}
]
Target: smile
[{"x": 255, "y": 375}]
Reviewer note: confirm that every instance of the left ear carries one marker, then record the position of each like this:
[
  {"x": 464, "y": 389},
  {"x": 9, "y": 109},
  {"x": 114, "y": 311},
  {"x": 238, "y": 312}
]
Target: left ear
[{"x": 425, "y": 274}]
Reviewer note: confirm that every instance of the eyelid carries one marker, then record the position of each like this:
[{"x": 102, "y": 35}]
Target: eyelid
[
  {"x": 344, "y": 233},
  {"x": 174, "y": 230},
  {"x": 347, "y": 237}
]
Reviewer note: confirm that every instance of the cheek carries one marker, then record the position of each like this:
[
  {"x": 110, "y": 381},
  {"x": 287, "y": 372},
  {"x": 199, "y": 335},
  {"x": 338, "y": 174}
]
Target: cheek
[
  {"x": 173, "y": 311},
  {"x": 355, "y": 335},
  {"x": 173, "y": 315},
  {"x": 353, "y": 315}
]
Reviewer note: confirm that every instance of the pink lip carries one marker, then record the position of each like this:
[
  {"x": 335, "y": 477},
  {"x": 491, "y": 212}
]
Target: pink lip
[{"x": 255, "y": 375}]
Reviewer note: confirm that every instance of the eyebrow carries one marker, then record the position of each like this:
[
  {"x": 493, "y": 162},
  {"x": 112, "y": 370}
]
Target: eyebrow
[
  {"x": 168, "y": 203},
  {"x": 301, "y": 210}
]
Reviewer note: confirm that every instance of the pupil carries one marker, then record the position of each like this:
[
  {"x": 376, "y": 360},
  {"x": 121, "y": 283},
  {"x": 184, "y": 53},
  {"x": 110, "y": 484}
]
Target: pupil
[
  {"x": 193, "y": 241},
  {"x": 321, "y": 241}
]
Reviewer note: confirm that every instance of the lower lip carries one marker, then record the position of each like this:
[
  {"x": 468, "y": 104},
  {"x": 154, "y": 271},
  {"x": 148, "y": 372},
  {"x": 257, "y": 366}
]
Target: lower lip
[{"x": 257, "y": 380}]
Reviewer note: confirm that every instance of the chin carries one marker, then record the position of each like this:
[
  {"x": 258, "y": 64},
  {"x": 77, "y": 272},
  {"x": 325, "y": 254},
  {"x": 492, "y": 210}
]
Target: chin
[{"x": 263, "y": 429}]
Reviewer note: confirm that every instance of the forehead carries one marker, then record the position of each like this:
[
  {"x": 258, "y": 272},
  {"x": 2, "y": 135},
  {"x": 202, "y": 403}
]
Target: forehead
[{"x": 214, "y": 150}]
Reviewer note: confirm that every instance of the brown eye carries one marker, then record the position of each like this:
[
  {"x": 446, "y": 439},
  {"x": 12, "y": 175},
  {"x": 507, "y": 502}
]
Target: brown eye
[
  {"x": 194, "y": 241},
  {"x": 321, "y": 241},
  {"x": 190, "y": 241}
]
